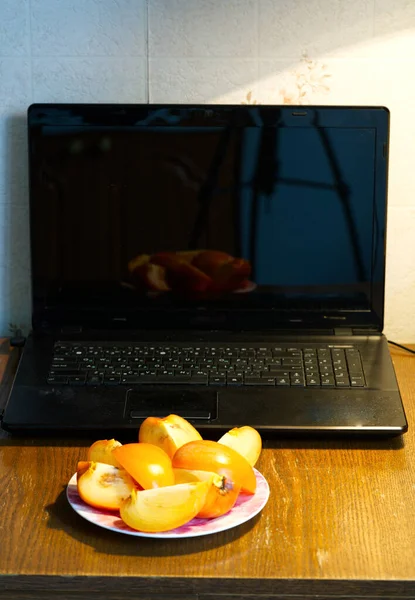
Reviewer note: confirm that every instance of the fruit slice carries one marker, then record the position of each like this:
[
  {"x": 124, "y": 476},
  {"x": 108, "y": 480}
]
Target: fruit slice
[
  {"x": 221, "y": 496},
  {"x": 101, "y": 451},
  {"x": 245, "y": 440},
  {"x": 168, "y": 433},
  {"x": 149, "y": 465},
  {"x": 180, "y": 274},
  {"x": 188, "y": 255},
  {"x": 138, "y": 261},
  {"x": 153, "y": 277},
  {"x": 103, "y": 486},
  {"x": 206, "y": 455},
  {"x": 164, "y": 508},
  {"x": 191, "y": 475}
]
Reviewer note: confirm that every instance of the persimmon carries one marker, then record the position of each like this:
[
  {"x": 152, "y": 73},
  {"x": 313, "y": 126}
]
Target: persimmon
[
  {"x": 222, "y": 493},
  {"x": 103, "y": 486},
  {"x": 169, "y": 433},
  {"x": 188, "y": 255},
  {"x": 164, "y": 508},
  {"x": 138, "y": 261},
  {"x": 206, "y": 455},
  {"x": 245, "y": 440},
  {"x": 230, "y": 276},
  {"x": 153, "y": 277},
  {"x": 149, "y": 465},
  {"x": 221, "y": 497},
  {"x": 180, "y": 274},
  {"x": 210, "y": 260},
  {"x": 101, "y": 451}
]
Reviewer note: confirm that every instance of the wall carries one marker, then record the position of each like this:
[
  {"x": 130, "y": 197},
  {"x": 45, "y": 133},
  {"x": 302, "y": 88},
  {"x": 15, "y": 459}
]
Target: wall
[{"x": 307, "y": 51}]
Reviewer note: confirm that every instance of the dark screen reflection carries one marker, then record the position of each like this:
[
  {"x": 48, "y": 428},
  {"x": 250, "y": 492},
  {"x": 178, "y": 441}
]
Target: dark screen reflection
[{"x": 181, "y": 212}]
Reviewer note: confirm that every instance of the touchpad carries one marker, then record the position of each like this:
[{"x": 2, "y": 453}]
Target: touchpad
[{"x": 189, "y": 404}]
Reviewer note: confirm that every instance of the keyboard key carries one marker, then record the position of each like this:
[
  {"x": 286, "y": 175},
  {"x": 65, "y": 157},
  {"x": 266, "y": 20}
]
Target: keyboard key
[
  {"x": 65, "y": 367},
  {"x": 76, "y": 380},
  {"x": 217, "y": 380},
  {"x": 274, "y": 361},
  {"x": 94, "y": 380},
  {"x": 57, "y": 379},
  {"x": 64, "y": 372},
  {"x": 131, "y": 379},
  {"x": 291, "y": 361},
  {"x": 297, "y": 381},
  {"x": 199, "y": 379},
  {"x": 64, "y": 359},
  {"x": 252, "y": 380},
  {"x": 112, "y": 380},
  {"x": 326, "y": 371},
  {"x": 341, "y": 375},
  {"x": 237, "y": 380},
  {"x": 280, "y": 371}
]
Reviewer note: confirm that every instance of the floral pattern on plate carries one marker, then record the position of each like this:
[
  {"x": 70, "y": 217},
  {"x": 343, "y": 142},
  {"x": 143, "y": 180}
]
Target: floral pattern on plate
[{"x": 245, "y": 508}]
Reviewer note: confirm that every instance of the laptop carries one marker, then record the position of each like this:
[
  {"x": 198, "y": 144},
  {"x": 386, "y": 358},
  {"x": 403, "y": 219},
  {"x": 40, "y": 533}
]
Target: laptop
[{"x": 225, "y": 263}]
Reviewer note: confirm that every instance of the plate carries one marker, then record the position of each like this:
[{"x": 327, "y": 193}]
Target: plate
[{"x": 245, "y": 508}]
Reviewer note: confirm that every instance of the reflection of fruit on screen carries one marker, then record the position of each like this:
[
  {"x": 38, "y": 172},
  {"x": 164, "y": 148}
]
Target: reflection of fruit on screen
[{"x": 193, "y": 271}]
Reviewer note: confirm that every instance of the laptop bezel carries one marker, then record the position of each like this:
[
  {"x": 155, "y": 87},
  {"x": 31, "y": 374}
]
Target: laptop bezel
[{"x": 55, "y": 317}]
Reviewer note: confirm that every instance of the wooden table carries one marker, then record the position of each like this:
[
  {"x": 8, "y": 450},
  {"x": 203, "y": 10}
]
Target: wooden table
[{"x": 340, "y": 523}]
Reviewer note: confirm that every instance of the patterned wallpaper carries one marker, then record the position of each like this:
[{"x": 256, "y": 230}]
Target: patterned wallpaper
[{"x": 242, "y": 51}]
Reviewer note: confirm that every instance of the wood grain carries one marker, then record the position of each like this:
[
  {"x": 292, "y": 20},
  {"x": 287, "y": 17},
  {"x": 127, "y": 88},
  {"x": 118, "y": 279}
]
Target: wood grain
[{"x": 340, "y": 521}]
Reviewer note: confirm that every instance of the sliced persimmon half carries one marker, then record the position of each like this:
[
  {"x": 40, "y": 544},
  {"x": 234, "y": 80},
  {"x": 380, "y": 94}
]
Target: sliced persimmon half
[
  {"x": 103, "y": 486},
  {"x": 101, "y": 451},
  {"x": 164, "y": 508},
  {"x": 168, "y": 433},
  {"x": 246, "y": 440}
]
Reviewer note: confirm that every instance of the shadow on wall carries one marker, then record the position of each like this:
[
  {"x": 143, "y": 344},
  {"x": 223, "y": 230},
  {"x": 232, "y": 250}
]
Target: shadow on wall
[{"x": 14, "y": 221}]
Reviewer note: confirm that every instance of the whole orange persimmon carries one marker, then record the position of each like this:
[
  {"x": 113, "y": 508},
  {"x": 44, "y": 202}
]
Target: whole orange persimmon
[{"x": 207, "y": 455}]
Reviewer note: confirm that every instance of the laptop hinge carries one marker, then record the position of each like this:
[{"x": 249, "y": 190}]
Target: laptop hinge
[
  {"x": 366, "y": 331},
  {"x": 343, "y": 331}
]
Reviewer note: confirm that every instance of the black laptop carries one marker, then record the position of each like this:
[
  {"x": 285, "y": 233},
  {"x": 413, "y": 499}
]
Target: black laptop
[{"x": 225, "y": 263}]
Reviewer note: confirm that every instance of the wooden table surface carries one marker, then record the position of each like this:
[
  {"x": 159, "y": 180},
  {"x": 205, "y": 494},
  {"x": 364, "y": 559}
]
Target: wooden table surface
[{"x": 340, "y": 522}]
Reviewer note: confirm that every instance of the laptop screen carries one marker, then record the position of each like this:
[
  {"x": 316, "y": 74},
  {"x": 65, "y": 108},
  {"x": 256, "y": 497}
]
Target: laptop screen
[{"x": 210, "y": 216}]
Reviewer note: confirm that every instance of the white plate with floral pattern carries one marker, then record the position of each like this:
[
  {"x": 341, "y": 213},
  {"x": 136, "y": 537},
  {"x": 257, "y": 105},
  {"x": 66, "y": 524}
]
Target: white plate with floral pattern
[{"x": 245, "y": 508}]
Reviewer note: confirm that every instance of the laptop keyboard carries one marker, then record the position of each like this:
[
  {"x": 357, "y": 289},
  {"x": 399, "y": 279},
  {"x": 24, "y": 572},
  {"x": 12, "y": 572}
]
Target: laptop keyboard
[{"x": 94, "y": 364}]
